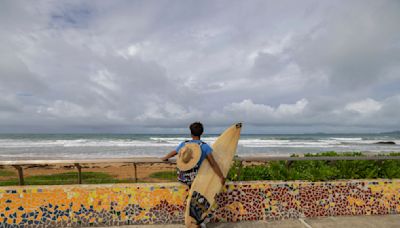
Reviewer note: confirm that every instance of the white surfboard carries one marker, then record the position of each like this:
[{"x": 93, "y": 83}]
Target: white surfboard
[{"x": 207, "y": 183}]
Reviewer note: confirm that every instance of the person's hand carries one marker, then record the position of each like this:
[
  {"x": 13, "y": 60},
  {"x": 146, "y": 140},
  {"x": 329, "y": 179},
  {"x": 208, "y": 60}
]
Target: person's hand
[
  {"x": 223, "y": 180},
  {"x": 164, "y": 159}
]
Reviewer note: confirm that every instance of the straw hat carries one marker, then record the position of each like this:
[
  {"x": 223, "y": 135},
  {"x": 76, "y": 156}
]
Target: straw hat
[{"x": 188, "y": 156}]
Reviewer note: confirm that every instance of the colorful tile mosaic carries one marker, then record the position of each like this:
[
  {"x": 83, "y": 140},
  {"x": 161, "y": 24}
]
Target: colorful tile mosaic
[{"x": 123, "y": 204}]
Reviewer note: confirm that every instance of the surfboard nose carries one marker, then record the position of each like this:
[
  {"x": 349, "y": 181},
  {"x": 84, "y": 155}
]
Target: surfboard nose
[{"x": 239, "y": 125}]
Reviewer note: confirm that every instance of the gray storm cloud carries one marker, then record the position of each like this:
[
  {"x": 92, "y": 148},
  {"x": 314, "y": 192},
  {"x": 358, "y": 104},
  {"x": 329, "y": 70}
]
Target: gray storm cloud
[{"x": 101, "y": 66}]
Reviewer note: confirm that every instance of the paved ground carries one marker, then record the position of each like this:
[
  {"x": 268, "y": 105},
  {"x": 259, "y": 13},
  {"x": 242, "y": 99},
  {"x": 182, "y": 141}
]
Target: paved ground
[{"x": 386, "y": 221}]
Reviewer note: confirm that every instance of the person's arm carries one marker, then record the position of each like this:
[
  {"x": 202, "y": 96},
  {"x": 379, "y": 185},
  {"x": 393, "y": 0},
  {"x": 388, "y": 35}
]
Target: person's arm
[
  {"x": 216, "y": 168},
  {"x": 173, "y": 153},
  {"x": 169, "y": 155}
]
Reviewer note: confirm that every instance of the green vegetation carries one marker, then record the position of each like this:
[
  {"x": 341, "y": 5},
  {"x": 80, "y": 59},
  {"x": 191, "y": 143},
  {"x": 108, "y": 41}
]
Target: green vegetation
[
  {"x": 309, "y": 170},
  {"x": 165, "y": 175},
  {"x": 273, "y": 170},
  {"x": 6, "y": 173},
  {"x": 318, "y": 170},
  {"x": 66, "y": 178}
]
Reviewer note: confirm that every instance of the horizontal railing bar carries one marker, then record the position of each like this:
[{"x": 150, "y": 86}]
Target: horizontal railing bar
[
  {"x": 84, "y": 161},
  {"x": 158, "y": 160},
  {"x": 322, "y": 158}
]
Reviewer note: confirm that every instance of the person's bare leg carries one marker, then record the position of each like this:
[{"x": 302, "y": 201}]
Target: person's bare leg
[{"x": 194, "y": 225}]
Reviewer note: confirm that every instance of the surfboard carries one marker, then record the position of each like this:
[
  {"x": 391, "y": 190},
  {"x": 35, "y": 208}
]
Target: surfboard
[{"x": 207, "y": 183}]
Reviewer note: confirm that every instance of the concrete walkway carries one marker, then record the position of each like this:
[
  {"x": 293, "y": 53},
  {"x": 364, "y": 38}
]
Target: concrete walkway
[{"x": 381, "y": 221}]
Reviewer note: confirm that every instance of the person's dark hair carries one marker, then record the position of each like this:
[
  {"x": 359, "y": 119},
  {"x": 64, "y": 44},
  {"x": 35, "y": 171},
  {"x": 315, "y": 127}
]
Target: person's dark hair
[{"x": 196, "y": 129}]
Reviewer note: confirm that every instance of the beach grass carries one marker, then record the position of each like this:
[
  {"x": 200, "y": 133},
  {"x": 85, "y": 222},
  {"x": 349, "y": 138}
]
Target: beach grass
[
  {"x": 318, "y": 170},
  {"x": 6, "y": 173},
  {"x": 67, "y": 178},
  {"x": 165, "y": 175}
]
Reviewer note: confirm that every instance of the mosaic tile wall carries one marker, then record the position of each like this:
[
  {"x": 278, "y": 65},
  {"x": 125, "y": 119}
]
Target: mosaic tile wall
[{"x": 121, "y": 204}]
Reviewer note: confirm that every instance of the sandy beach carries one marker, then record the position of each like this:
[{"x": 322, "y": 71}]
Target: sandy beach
[{"x": 121, "y": 171}]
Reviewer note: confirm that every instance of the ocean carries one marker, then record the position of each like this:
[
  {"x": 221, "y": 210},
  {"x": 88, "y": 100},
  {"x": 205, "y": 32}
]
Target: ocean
[{"x": 91, "y": 146}]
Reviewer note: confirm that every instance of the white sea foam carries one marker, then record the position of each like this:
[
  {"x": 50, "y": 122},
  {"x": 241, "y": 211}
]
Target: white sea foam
[
  {"x": 80, "y": 143},
  {"x": 137, "y": 146},
  {"x": 173, "y": 141},
  {"x": 347, "y": 139},
  {"x": 288, "y": 143}
]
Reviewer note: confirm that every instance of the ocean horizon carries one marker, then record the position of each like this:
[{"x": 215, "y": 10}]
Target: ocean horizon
[{"x": 91, "y": 146}]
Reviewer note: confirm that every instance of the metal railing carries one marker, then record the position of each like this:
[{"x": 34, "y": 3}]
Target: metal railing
[{"x": 19, "y": 164}]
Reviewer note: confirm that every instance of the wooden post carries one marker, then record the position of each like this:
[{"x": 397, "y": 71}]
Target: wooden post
[
  {"x": 135, "y": 172},
  {"x": 20, "y": 174},
  {"x": 79, "y": 167}
]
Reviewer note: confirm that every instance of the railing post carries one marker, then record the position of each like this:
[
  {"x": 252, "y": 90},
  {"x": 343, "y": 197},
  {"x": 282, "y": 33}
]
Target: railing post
[
  {"x": 135, "y": 172},
  {"x": 79, "y": 167},
  {"x": 20, "y": 174}
]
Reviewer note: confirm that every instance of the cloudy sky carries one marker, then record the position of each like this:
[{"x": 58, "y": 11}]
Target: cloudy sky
[{"x": 156, "y": 66}]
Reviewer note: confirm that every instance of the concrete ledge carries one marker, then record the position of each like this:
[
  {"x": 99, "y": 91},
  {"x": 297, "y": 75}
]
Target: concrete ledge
[{"x": 137, "y": 204}]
